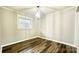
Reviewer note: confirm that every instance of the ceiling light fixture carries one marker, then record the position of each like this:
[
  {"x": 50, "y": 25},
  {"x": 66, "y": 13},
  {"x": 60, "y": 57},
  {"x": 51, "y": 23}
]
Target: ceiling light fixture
[{"x": 38, "y": 12}]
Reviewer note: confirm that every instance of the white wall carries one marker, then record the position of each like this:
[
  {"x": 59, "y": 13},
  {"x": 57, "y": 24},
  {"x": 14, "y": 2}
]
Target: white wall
[
  {"x": 9, "y": 25},
  {"x": 36, "y": 26},
  {"x": 60, "y": 26},
  {"x": 76, "y": 41},
  {"x": 0, "y": 32},
  {"x": 47, "y": 26},
  {"x": 68, "y": 25},
  {"x": 51, "y": 26},
  {"x": 55, "y": 26},
  {"x": 78, "y": 33}
]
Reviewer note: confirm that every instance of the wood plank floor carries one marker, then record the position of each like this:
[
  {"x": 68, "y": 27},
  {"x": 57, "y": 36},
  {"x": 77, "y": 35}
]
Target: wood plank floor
[{"x": 39, "y": 45}]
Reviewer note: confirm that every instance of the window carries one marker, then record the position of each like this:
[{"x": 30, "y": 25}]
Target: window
[{"x": 23, "y": 22}]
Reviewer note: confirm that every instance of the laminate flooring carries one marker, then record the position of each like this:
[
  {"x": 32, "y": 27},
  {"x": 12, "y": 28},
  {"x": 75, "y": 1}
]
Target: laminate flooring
[{"x": 47, "y": 46}]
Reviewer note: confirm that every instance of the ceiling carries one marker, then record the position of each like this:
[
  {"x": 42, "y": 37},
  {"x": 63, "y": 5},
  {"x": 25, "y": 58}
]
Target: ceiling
[{"x": 31, "y": 10}]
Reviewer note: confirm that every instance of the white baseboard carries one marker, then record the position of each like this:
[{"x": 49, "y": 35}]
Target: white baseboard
[
  {"x": 18, "y": 41},
  {"x": 40, "y": 37},
  {"x": 59, "y": 41}
]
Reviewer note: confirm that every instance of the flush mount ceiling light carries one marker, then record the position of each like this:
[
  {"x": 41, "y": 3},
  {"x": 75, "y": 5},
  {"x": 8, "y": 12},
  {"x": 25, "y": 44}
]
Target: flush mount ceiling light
[{"x": 38, "y": 12}]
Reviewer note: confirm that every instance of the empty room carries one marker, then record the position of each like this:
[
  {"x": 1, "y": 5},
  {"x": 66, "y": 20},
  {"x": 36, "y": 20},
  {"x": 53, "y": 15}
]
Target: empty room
[{"x": 39, "y": 29}]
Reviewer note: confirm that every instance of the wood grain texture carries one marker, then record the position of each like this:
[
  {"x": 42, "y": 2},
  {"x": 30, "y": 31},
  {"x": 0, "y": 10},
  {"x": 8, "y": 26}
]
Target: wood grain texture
[{"x": 39, "y": 45}]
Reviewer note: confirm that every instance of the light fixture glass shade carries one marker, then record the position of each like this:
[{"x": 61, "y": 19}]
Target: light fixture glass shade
[{"x": 37, "y": 13}]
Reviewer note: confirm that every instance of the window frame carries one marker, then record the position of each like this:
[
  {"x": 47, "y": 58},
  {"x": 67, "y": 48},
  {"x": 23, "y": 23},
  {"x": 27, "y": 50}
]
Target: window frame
[{"x": 19, "y": 22}]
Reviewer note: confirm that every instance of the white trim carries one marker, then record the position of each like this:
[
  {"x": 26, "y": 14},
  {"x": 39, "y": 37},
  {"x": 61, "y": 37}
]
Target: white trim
[
  {"x": 13, "y": 10},
  {"x": 68, "y": 8},
  {"x": 10, "y": 9},
  {"x": 75, "y": 37},
  {"x": 40, "y": 37},
  {"x": 18, "y": 41},
  {"x": 59, "y": 41}
]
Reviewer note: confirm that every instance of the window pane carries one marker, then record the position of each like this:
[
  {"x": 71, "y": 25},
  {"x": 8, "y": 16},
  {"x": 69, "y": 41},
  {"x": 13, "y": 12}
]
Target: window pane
[{"x": 23, "y": 23}]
